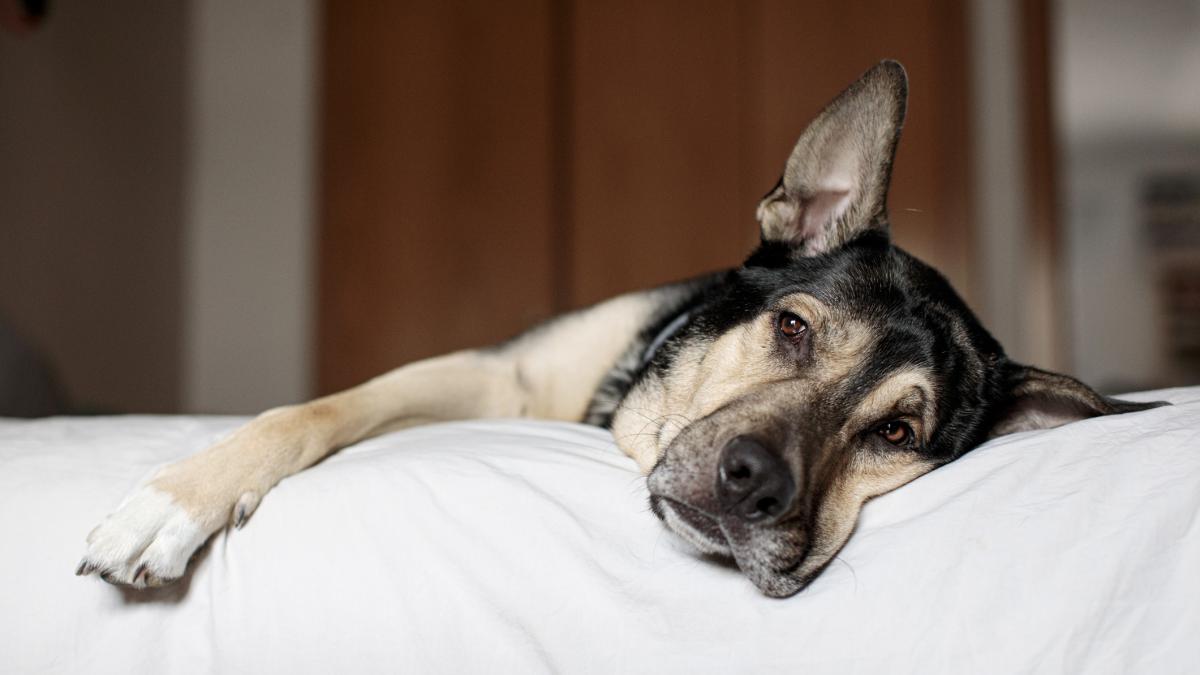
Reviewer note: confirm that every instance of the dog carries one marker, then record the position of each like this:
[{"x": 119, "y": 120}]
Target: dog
[{"x": 765, "y": 404}]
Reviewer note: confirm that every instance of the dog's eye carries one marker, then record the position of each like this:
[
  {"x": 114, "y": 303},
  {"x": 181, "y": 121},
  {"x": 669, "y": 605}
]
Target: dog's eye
[
  {"x": 792, "y": 327},
  {"x": 896, "y": 432}
]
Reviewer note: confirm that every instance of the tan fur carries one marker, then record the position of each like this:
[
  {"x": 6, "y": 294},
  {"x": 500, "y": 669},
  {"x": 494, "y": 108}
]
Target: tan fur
[
  {"x": 524, "y": 378},
  {"x": 283, "y": 441},
  {"x": 706, "y": 376},
  {"x": 910, "y": 392},
  {"x": 870, "y": 473},
  {"x": 866, "y": 476},
  {"x": 564, "y": 362}
]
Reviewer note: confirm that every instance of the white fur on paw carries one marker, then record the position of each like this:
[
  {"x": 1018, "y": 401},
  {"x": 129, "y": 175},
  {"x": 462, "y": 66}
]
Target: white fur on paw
[{"x": 147, "y": 541}]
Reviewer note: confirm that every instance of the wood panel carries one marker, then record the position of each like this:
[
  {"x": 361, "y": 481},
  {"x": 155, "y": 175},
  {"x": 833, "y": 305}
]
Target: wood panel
[
  {"x": 657, "y": 149},
  {"x": 436, "y": 181},
  {"x": 487, "y": 164}
]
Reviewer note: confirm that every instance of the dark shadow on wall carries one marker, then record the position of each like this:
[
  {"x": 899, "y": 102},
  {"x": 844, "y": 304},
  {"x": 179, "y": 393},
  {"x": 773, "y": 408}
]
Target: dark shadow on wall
[{"x": 28, "y": 387}]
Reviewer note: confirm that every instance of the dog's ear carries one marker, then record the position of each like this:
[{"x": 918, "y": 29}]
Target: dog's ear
[
  {"x": 1039, "y": 399},
  {"x": 835, "y": 184}
]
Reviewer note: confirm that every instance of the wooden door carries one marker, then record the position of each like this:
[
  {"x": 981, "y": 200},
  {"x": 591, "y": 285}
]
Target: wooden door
[
  {"x": 436, "y": 176},
  {"x": 488, "y": 164}
]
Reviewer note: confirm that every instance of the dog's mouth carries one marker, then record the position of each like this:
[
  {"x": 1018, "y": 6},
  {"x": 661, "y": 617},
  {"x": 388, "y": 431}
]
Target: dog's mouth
[
  {"x": 697, "y": 527},
  {"x": 772, "y": 576}
]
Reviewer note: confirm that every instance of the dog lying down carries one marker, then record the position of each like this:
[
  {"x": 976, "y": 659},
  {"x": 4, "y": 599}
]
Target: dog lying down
[{"x": 765, "y": 404}]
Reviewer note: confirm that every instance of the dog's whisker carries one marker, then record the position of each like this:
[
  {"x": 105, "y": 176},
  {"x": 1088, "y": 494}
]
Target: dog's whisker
[{"x": 850, "y": 567}]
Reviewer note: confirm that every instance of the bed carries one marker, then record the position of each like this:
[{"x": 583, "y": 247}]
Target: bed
[{"x": 518, "y": 546}]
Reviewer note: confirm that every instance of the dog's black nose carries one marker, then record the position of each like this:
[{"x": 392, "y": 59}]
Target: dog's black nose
[{"x": 753, "y": 483}]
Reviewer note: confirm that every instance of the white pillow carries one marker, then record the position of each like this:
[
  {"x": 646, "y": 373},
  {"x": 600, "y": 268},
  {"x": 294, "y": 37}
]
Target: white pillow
[{"x": 517, "y": 546}]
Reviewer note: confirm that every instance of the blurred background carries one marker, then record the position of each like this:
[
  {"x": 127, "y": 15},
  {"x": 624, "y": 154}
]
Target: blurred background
[{"x": 221, "y": 206}]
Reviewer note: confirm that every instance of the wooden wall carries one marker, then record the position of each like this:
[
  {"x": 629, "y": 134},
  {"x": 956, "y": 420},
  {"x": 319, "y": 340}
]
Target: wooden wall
[{"x": 485, "y": 165}]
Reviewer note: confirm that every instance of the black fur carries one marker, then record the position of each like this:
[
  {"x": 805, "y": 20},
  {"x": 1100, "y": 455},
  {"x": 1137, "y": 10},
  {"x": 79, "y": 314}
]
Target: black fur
[{"x": 919, "y": 319}]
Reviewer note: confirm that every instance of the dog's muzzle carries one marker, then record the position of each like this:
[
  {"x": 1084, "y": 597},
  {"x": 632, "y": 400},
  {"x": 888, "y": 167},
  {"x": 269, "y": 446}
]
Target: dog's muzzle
[{"x": 740, "y": 500}]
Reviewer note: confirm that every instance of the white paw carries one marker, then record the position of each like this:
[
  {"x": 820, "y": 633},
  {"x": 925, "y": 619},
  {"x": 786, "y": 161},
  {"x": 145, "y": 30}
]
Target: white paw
[{"x": 147, "y": 541}]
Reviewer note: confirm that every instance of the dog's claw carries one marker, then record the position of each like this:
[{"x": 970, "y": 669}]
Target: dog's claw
[
  {"x": 137, "y": 576},
  {"x": 244, "y": 507},
  {"x": 85, "y": 568}
]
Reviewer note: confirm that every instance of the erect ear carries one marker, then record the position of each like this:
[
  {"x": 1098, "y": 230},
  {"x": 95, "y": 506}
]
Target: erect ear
[
  {"x": 835, "y": 184},
  {"x": 1039, "y": 399}
]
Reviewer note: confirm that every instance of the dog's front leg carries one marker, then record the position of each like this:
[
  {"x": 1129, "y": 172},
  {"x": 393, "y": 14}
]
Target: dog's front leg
[{"x": 151, "y": 536}]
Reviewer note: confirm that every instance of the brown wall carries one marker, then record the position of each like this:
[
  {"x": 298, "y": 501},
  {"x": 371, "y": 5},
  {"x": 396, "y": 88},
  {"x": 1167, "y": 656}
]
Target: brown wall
[{"x": 488, "y": 164}]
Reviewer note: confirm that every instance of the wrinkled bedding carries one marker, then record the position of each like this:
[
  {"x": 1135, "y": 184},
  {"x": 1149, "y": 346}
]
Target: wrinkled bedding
[{"x": 518, "y": 546}]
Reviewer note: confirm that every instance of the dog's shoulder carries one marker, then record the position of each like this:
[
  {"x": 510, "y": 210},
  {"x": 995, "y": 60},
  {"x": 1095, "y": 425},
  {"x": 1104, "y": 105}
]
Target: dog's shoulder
[{"x": 667, "y": 312}]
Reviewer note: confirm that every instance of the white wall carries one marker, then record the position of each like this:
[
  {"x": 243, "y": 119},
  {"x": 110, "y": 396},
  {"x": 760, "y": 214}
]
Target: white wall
[
  {"x": 1127, "y": 104},
  {"x": 1111, "y": 270},
  {"x": 1127, "y": 70},
  {"x": 249, "y": 283},
  {"x": 998, "y": 135},
  {"x": 1128, "y": 107}
]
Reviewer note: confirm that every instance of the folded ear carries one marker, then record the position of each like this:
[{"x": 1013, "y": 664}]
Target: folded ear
[
  {"x": 1039, "y": 399},
  {"x": 835, "y": 184}
]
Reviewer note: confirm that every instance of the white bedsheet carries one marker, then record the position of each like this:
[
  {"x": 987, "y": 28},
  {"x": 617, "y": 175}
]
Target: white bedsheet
[{"x": 524, "y": 547}]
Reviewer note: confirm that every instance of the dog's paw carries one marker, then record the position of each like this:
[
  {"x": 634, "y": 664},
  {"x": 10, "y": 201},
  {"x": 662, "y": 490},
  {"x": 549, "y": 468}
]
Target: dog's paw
[{"x": 147, "y": 541}]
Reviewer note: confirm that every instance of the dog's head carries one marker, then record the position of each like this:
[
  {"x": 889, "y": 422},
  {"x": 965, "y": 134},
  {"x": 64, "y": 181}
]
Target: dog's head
[{"x": 832, "y": 367}]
